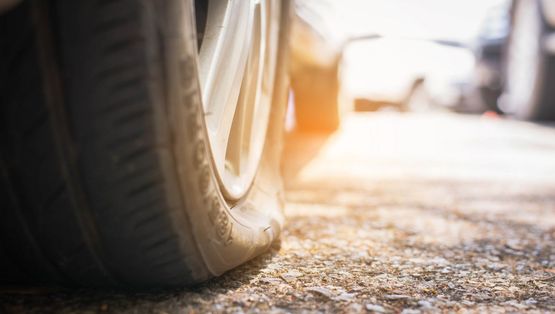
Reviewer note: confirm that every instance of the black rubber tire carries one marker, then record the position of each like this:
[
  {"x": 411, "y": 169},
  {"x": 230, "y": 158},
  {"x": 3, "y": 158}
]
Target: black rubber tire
[
  {"x": 316, "y": 95},
  {"x": 541, "y": 106},
  {"x": 106, "y": 173}
]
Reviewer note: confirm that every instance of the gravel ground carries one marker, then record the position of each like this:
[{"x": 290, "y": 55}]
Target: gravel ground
[{"x": 394, "y": 213}]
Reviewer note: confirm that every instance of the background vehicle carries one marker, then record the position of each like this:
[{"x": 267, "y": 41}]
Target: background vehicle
[
  {"x": 139, "y": 149},
  {"x": 490, "y": 49},
  {"x": 407, "y": 74},
  {"x": 442, "y": 67},
  {"x": 374, "y": 81},
  {"x": 530, "y": 68}
]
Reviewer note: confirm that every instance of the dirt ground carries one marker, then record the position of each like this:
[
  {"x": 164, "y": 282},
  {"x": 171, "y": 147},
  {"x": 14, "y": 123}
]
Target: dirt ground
[{"x": 394, "y": 213}]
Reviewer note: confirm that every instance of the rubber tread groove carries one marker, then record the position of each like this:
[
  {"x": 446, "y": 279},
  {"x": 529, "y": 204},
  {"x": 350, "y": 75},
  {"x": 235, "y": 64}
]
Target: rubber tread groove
[
  {"x": 54, "y": 273},
  {"x": 54, "y": 100},
  {"x": 143, "y": 188}
]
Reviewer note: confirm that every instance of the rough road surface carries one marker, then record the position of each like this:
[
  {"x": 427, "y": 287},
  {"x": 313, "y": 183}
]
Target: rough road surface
[{"x": 394, "y": 213}]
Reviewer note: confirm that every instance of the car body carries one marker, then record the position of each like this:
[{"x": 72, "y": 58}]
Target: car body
[{"x": 315, "y": 54}]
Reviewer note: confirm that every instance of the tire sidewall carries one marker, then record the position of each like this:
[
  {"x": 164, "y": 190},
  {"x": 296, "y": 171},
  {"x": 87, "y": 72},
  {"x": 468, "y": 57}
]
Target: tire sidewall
[{"x": 226, "y": 234}]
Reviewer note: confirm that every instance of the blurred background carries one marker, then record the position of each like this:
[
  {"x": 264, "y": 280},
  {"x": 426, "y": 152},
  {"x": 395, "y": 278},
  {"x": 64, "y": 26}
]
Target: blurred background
[
  {"x": 477, "y": 56},
  {"x": 434, "y": 117}
]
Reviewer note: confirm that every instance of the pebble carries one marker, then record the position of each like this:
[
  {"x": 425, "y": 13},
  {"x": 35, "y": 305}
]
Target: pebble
[
  {"x": 425, "y": 304},
  {"x": 321, "y": 291},
  {"x": 375, "y": 308},
  {"x": 291, "y": 276},
  {"x": 395, "y": 297}
]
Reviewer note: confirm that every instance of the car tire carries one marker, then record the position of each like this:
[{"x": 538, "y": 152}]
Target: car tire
[
  {"x": 108, "y": 169},
  {"x": 530, "y": 69}
]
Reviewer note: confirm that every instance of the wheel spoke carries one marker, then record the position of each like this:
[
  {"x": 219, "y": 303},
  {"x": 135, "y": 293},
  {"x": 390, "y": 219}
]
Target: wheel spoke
[
  {"x": 223, "y": 63},
  {"x": 240, "y": 137},
  {"x": 238, "y": 69}
]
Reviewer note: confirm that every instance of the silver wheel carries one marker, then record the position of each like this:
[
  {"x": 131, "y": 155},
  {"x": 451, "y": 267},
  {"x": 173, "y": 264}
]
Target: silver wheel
[{"x": 237, "y": 64}]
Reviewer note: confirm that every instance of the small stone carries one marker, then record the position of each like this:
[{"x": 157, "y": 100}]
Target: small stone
[
  {"x": 270, "y": 280},
  {"x": 291, "y": 275},
  {"x": 375, "y": 308},
  {"x": 345, "y": 297},
  {"x": 530, "y": 301},
  {"x": 395, "y": 297},
  {"x": 425, "y": 304},
  {"x": 321, "y": 291}
]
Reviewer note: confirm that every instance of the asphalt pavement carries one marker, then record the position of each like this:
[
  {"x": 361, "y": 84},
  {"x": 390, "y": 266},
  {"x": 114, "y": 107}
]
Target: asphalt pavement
[{"x": 393, "y": 213}]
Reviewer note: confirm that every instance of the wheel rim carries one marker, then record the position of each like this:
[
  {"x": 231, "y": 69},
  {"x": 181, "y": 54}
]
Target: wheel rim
[
  {"x": 237, "y": 66},
  {"x": 523, "y": 58}
]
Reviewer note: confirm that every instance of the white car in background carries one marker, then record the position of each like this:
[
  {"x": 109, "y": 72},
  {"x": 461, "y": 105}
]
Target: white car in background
[{"x": 408, "y": 74}]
